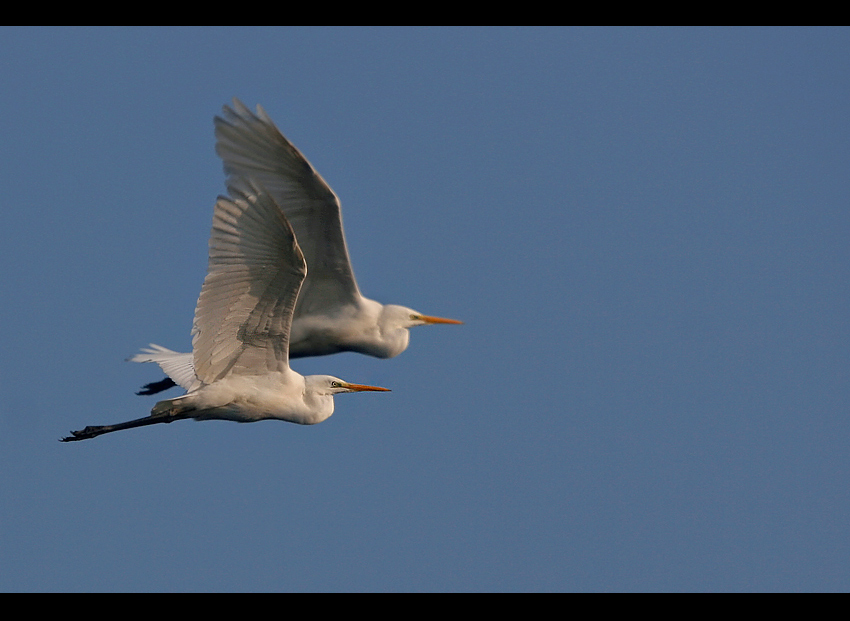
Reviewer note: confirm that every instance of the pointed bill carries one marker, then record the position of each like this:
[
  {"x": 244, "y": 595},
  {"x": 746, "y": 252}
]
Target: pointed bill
[
  {"x": 429, "y": 319},
  {"x": 363, "y": 387}
]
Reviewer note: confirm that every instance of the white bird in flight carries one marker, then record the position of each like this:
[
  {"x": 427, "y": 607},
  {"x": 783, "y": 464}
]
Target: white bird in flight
[
  {"x": 241, "y": 332},
  {"x": 331, "y": 315}
]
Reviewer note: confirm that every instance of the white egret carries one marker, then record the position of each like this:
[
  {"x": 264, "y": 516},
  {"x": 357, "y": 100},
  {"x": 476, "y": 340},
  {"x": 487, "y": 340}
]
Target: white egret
[
  {"x": 241, "y": 331},
  {"x": 330, "y": 315}
]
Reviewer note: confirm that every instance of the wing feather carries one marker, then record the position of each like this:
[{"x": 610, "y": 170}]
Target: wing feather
[
  {"x": 252, "y": 147},
  {"x": 256, "y": 268}
]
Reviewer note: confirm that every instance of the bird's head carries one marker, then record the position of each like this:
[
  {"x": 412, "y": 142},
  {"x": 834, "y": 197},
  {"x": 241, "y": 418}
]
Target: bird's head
[
  {"x": 329, "y": 385},
  {"x": 393, "y": 324}
]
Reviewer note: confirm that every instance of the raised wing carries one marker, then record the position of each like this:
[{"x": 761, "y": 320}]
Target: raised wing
[
  {"x": 252, "y": 147},
  {"x": 256, "y": 268}
]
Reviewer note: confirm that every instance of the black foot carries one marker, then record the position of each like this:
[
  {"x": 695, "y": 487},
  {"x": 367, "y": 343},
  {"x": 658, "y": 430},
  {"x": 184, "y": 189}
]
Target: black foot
[
  {"x": 155, "y": 387},
  {"x": 85, "y": 434}
]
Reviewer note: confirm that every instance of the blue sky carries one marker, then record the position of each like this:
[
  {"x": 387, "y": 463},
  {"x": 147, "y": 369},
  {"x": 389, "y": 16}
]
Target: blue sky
[{"x": 645, "y": 231}]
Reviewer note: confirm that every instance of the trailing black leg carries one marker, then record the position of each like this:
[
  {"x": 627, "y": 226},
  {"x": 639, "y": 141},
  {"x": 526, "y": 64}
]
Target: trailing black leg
[
  {"x": 166, "y": 416},
  {"x": 155, "y": 387}
]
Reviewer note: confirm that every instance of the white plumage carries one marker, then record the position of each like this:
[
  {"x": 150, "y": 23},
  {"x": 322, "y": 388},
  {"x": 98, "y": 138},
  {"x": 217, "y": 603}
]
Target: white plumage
[
  {"x": 330, "y": 315},
  {"x": 240, "y": 336}
]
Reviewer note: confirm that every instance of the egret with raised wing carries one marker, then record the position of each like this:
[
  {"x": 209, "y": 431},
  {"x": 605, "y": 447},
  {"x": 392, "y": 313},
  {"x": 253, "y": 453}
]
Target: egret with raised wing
[
  {"x": 241, "y": 332},
  {"x": 331, "y": 315}
]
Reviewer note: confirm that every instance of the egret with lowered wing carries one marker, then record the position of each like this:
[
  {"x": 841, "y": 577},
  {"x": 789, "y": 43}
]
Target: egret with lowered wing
[{"x": 241, "y": 332}]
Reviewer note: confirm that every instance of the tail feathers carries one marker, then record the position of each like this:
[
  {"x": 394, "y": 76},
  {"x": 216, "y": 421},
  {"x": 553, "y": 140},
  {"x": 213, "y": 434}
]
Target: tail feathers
[
  {"x": 151, "y": 353},
  {"x": 178, "y": 366}
]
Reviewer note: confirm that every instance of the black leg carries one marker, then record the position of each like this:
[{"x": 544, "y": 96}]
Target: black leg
[{"x": 94, "y": 431}]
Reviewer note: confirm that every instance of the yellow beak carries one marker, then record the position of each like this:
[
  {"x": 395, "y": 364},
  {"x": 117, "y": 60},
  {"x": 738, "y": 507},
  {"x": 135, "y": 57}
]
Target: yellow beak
[
  {"x": 361, "y": 387},
  {"x": 428, "y": 319}
]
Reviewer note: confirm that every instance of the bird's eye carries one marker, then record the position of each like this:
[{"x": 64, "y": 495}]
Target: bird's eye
[{"x": 334, "y": 384}]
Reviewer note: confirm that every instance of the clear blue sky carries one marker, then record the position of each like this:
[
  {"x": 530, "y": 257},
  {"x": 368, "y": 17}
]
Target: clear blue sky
[{"x": 647, "y": 232}]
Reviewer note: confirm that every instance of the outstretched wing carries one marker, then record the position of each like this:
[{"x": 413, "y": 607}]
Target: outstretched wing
[
  {"x": 252, "y": 147},
  {"x": 256, "y": 268}
]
